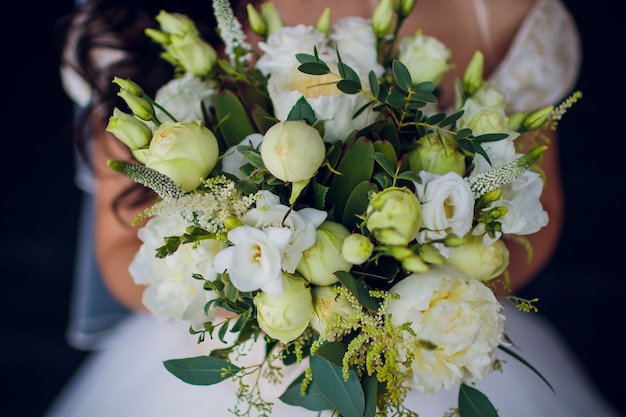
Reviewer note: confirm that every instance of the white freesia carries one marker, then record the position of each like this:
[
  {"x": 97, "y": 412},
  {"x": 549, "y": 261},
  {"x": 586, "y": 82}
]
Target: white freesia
[
  {"x": 171, "y": 291},
  {"x": 233, "y": 160},
  {"x": 300, "y": 224},
  {"x": 457, "y": 326},
  {"x": 447, "y": 205},
  {"x": 253, "y": 261},
  {"x": 281, "y": 47},
  {"x": 354, "y": 38},
  {"x": 186, "y": 98}
]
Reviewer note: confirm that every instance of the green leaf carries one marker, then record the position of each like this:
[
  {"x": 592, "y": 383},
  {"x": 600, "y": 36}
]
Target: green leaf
[
  {"x": 355, "y": 166},
  {"x": 345, "y": 396},
  {"x": 349, "y": 86},
  {"x": 522, "y": 360},
  {"x": 490, "y": 137},
  {"x": 401, "y": 75},
  {"x": 313, "y": 399},
  {"x": 234, "y": 124},
  {"x": 356, "y": 204},
  {"x": 304, "y": 58},
  {"x": 385, "y": 163},
  {"x": 348, "y": 73},
  {"x": 262, "y": 119},
  {"x": 396, "y": 98},
  {"x": 374, "y": 84},
  {"x": 302, "y": 110},
  {"x": 473, "y": 403},
  {"x": 332, "y": 351},
  {"x": 423, "y": 96},
  {"x": 314, "y": 68},
  {"x": 201, "y": 370},
  {"x": 451, "y": 119},
  {"x": 370, "y": 387},
  {"x": 358, "y": 289}
]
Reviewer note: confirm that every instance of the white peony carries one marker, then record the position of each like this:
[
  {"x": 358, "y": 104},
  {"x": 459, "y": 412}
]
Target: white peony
[
  {"x": 355, "y": 39},
  {"x": 447, "y": 205},
  {"x": 457, "y": 326},
  {"x": 281, "y": 47},
  {"x": 171, "y": 290}
]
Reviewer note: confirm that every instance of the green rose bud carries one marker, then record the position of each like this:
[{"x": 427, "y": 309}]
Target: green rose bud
[
  {"x": 323, "y": 23},
  {"x": 256, "y": 21},
  {"x": 130, "y": 86},
  {"x": 404, "y": 7},
  {"x": 193, "y": 54},
  {"x": 357, "y": 249},
  {"x": 382, "y": 19},
  {"x": 537, "y": 118},
  {"x": 176, "y": 23},
  {"x": 285, "y": 317},
  {"x": 438, "y": 154},
  {"x": 323, "y": 259},
  {"x": 410, "y": 261},
  {"x": 425, "y": 57},
  {"x": 394, "y": 216},
  {"x": 480, "y": 261},
  {"x": 272, "y": 17},
  {"x": 327, "y": 305},
  {"x": 141, "y": 107},
  {"x": 130, "y": 130},
  {"x": 515, "y": 120},
  {"x": 473, "y": 76},
  {"x": 293, "y": 151},
  {"x": 185, "y": 152}
]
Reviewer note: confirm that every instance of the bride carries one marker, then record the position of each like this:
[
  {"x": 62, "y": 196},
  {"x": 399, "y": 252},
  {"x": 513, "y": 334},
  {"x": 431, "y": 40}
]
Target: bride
[{"x": 532, "y": 54}]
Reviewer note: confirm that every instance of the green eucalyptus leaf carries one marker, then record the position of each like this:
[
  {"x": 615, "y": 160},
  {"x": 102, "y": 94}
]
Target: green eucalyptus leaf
[
  {"x": 358, "y": 290},
  {"x": 355, "y": 166},
  {"x": 463, "y": 133},
  {"x": 424, "y": 96},
  {"x": 370, "y": 387},
  {"x": 490, "y": 137},
  {"x": 348, "y": 73},
  {"x": 473, "y": 403},
  {"x": 349, "y": 86},
  {"x": 401, "y": 75},
  {"x": 332, "y": 351},
  {"x": 388, "y": 166},
  {"x": 396, "y": 98},
  {"x": 356, "y": 204},
  {"x": 201, "y": 370},
  {"x": 451, "y": 119},
  {"x": 262, "y": 119},
  {"x": 234, "y": 124},
  {"x": 345, "y": 396},
  {"x": 314, "y": 68},
  {"x": 313, "y": 399},
  {"x": 304, "y": 58},
  {"x": 302, "y": 110},
  {"x": 374, "y": 84}
]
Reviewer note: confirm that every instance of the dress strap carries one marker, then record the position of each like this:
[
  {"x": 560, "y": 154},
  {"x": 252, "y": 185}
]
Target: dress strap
[{"x": 482, "y": 17}]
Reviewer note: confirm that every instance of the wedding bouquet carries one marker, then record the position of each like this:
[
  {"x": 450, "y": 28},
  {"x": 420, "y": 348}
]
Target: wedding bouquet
[{"x": 317, "y": 194}]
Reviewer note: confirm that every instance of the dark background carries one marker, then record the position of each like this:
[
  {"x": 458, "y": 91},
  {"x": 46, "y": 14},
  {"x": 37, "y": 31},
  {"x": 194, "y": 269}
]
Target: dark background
[{"x": 581, "y": 290}]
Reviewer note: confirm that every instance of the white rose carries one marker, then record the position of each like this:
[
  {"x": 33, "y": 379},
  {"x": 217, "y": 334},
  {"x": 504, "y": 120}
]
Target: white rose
[
  {"x": 354, "y": 38},
  {"x": 301, "y": 225},
  {"x": 425, "y": 57},
  {"x": 327, "y": 304},
  {"x": 447, "y": 205},
  {"x": 171, "y": 291},
  {"x": 457, "y": 327},
  {"x": 281, "y": 47},
  {"x": 187, "y": 98}
]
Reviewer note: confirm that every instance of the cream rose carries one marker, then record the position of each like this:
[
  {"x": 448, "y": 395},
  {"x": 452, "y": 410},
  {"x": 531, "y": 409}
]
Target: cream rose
[
  {"x": 425, "y": 57},
  {"x": 185, "y": 152},
  {"x": 478, "y": 260},
  {"x": 394, "y": 216},
  {"x": 187, "y": 98},
  {"x": 323, "y": 259},
  {"x": 457, "y": 326},
  {"x": 286, "y": 316},
  {"x": 327, "y": 304}
]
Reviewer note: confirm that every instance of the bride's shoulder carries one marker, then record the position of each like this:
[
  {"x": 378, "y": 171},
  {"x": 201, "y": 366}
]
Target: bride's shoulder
[{"x": 544, "y": 57}]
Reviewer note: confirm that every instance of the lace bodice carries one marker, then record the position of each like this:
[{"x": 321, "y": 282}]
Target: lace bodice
[{"x": 543, "y": 62}]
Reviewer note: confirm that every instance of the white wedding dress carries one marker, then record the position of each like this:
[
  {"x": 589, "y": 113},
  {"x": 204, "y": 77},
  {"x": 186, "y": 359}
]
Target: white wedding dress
[{"x": 126, "y": 377}]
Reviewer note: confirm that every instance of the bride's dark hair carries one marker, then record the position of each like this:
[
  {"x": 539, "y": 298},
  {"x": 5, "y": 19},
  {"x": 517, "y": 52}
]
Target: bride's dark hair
[{"x": 117, "y": 27}]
